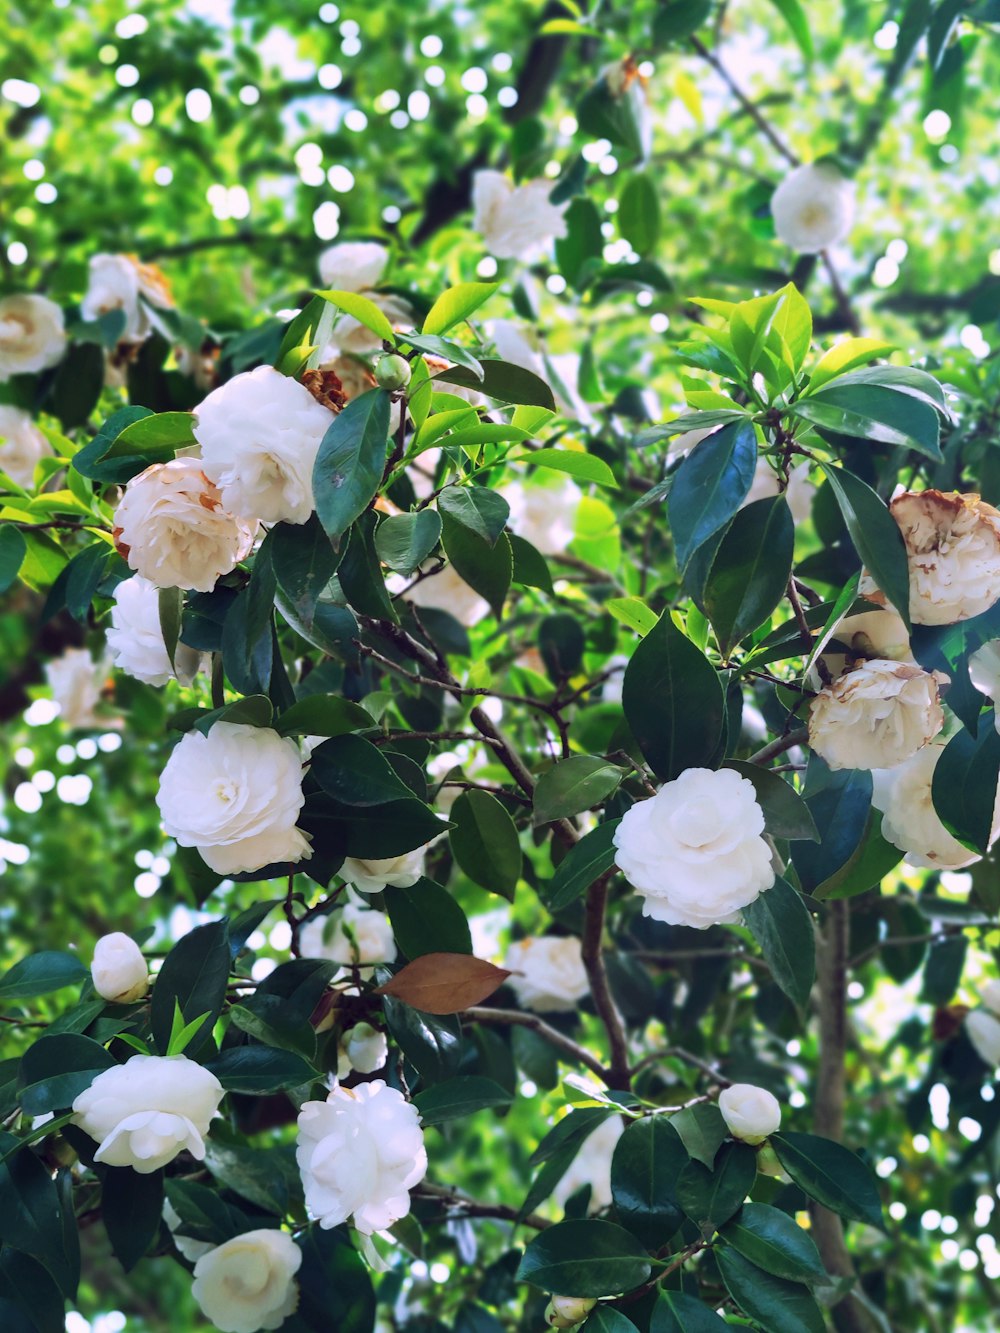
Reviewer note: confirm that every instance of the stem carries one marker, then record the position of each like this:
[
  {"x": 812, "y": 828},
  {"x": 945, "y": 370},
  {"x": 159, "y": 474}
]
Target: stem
[
  {"x": 779, "y": 746},
  {"x": 761, "y": 121},
  {"x": 604, "y": 1003},
  {"x": 450, "y": 1197},
  {"x": 514, "y": 1018}
]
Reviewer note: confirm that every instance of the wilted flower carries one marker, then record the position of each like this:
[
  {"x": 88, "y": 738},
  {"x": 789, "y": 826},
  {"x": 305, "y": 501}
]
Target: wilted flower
[
  {"x": 813, "y": 207},
  {"x": 876, "y": 715}
]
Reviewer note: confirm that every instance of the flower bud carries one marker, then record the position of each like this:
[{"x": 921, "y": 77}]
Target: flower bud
[
  {"x": 751, "y": 1113},
  {"x": 119, "y": 970},
  {"x": 568, "y": 1311},
  {"x": 393, "y": 372},
  {"x": 366, "y": 1048}
]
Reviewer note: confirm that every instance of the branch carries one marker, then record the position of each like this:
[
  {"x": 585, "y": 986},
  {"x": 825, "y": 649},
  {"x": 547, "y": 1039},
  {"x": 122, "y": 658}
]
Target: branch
[
  {"x": 452, "y": 1199},
  {"x": 514, "y": 1018},
  {"x": 779, "y": 746},
  {"x": 604, "y": 1003},
  {"x": 751, "y": 109}
]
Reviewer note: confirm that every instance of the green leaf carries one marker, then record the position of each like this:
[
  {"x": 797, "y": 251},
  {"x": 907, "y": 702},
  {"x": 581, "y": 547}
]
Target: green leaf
[
  {"x": 648, "y": 1160},
  {"x": 13, "y": 549},
  {"x": 709, "y": 487},
  {"x": 578, "y": 252},
  {"x": 31, "y": 1212},
  {"x": 750, "y": 329},
  {"x": 633, "y": 612},
  {"x": 301, "y": 337},
  {"x": 445, "y": 350},
  {"x": 425, "y": 918},
  {"x": 561, "y": 642},
  {"x": 432, "y": 1043},
  {"x": 482, "y": 511},
  {"x": 355, "y": 772},
  {"x": 832, "y": 1175},
  {"x": 304, "y": 562},
  {"x": 131, "y": 1209},
  {"x": 323, "y": 715},
  {"x": 777, "y": 1305},
  {"x": 845, "y": 356},
  {"x": 874, "y": 412},
  {"x": 677, "y": 19},
  {"x": 362, "y": 581},
  {"x": 155, "y": 437},
  {"x": 750, "y": 571},
  {"x": 181, "y": 1033},
  {"x": 404, "y": 541},
  {"x": 840, "y": 803},
  {"x": 487, "y": 569},
  {"x": 710, "y": 1196},
  {"x": 171, "y": 609},
  {"x": 603, "y": 1319},
  {"x": 585, "y": 862},
  {"x": 30, "y": 1302},
  {"x": 585, "y": 467},
  {"x": 795, "y": 16},
  {"x": 529, "y": 565},
  {"x": 786, "y": 814},
  {"x": 638, "y": 214},
  {"x": 866, "y": 867},
  {"x": 41, "y": 973},
  {"x": 457, "y": 304},
  {"x": 675, "y": 1312},
  {"x": 585, "y": 1258},
  {"x": 270, "y": 1021},
  {"x": 793, "y": 318},
  {"x": 875, "y": 534},
  {"x": 573, "y": 785},
  {"x": 194, "y": 974},
  {"x": 459, "y": 1097},
  {"x": 703, "y": 1131},
  {"x": 373, "y": 831},
  {"x": 57, "y": 1068},
  {"x": 335, "y": 1289},
  {"x": 348, "y": 468},
  {"x": 260, "y": 1069},
  {"x": 364, "y": 311},
  {"x": 964, "y": 785},
  {"x": 780, "y": 923},
  {"x": 673, "y": 702},
  {"x": 504, "y": 382},
  {"x": 485, "y": 844},
  {"x": 775, "y": 1242}
]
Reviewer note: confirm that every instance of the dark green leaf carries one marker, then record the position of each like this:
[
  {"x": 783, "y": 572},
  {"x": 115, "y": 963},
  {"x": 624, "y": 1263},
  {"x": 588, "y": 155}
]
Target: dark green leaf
[
  {"x": 780, "y": 923},
  {"x": 485, "y": 843},
  {"x": 874, "y": 412},
  {"x": 647, "y": 1161},
  {"x": 676, "y": 1313},
  {"x": 638, "y": 214},
  {"x": 40, "y": 973},
  {"x": 775, "y": 1242},
  {"x": 875, "y": 535},
  {"x": 13, "y": 549},
  {"x": 573, "y": 785},
  {"x": 503, "y": 381},
  {"x": 304, "y": 562},
  {"x": 840, "y": 804},
  {"x": 604, "y": 1319},
  {"x": 482, "y": 511},
  {"x": 703, "y": 1131},
  {"x": 777, "y": 1305},
  {"x": 355, "y": 772},
  {"x": 459, "y": 1097},
  {"x": 964, "y": 786},
  {"x": 405, "y": 541},
  {"x": 709, "y": 1197},
  {"x": 786, "y": 814},
  {"x": 486, "y": 568},
  {"x": 750, "y": 571},
  {"x": 677, "y": 19},
  {"x": 431, "y": 1042},
  {"x": 585, "y": 862},
  {"x": 131, "y": 1207},
  {"x": 832, "y": 1175},
  {"x": 426, "y": 919},
  {"x": 585, "y": 1258},
  {"x": 350, "y": 462},
  {"x": 709, "y": 487},
  {"x": 194, "y": 974},
  {"x": 323, "y": 715},
  {"x": 260, "y": 1069}
]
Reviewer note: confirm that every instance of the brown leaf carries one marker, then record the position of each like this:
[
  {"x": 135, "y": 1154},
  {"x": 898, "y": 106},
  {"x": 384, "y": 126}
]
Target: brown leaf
[{"x": 444, "y": 983}]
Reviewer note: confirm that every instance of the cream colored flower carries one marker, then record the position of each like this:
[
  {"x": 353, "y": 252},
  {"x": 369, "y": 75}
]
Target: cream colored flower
[
  {"x": 172, "y": 528},
  {"x": 548, "y": 974},
  {"x": 446, "y": 590},
  {"x": 813, "y": 207},
  {"x": 592, "y": 1166},
  {"x": 909, "y": 820},
  {"x": 799, "y": 492},
  {"x": 32, "y": 334},
  {"x": 953, "y": 551},
  {"x": 983, "y": 1030},
  {"x": 543, "y": 515},
  {"x": 249, "y": 1282},
  {"x": 22, "y": 446},
  {"x": 876, "y": 715},
  {"x": 515, "y": 221},
  {"x": 76, "y": 681},
  {"x": 750, "y": 1113},
  {"x": 119, "y": 970},
  {"x": 568, "y": 1311},
  {"x": 373, "y": 874},
  {"x": 353, "y": 266},
  {"x": 121, "y": 282},
  {"x": 363, "y": 1048},
  {"x": 135, "y": 638},
  {"x": 354, "y": 936},
  {"x": 695, "y": 851},
  {"x": 984, "y": 671}
]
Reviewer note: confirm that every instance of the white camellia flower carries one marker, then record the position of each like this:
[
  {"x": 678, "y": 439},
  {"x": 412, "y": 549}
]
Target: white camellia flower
[
  {"x": 121, "y": 282},
  {"x": 592, "y": 1166},
  {"x": 119, "y": 970},
  {"x": 354, "y": 936},
  {"x": 32, "y": 334},
  {"x": 191, "y": 1249},
  {"x": 353, "y": 266},
  {"x": 363, "y": 1048},
  {"x": 799, "y": 493},
  {"x": 953, "y": 551},
  {"x": 360, "y": 1153},
  {"x": 76, "y": 682},
  {"x": 983, "y": 1030},
  {"x": 259, "y": 435},
  {"x": 249, "y": 1282},
  {"x": 171, "y": 527},
  {"x": 813, "y": 207},
  {"x": 543, "y": 515},
  {"x": 235, "y": 794},
  {"x": 515, "y": 221},
  {"x": 372, "y": 875},
  {"x": 695, "y": 851},
  {"x": 548, "y": 974},
  {"x": 146, "y": 1111},
  {"x": 22, "y": 446},
  {"x": 568, "y": 1311},
  {"x": 446, "y": 590},
  {"x": 876, "y": 715},
  {"x": 872, "y": 634},
  {"x": 135, "y": 638},
  {"x": 750, "y": 1113},
  {"x": 909, "y": 820}
]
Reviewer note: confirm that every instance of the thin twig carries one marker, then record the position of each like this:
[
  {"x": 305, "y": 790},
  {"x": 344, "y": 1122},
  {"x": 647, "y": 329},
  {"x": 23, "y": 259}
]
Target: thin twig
[
  {"x": 600, "y": 990},
  {"x": 514, "y": 1018}
]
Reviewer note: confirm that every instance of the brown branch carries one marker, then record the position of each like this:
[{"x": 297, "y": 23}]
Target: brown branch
[
  {"x": 779, "y": 746},
  {"x": 749, "y": 107},
  {"x": 593, "y": 961},
  {"x": 514, "y": 1018},
  {"x": 452, "y": 1199}
]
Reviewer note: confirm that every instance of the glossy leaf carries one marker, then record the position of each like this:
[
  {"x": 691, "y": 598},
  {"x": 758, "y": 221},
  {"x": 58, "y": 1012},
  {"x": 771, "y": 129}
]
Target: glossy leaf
[
  {"x": 709, "y": 487},
  {"x": 585, "y": 1258},
  {"x": 350, "y": 461}
]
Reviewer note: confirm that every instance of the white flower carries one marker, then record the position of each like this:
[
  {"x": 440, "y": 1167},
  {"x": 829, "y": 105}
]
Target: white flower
[
  {"x": 799, "y": 491},
  {"x": 984, "y": 670},
  {"x": 548, "y": 973},
  {"x": 360, "y": 1153},
  {"x": 515, "y": 221},
  {"x": 543, "y": 515},
  {"x": 592, "y": 1166},
  {"x": 136, "y": 639},
  {"x": 146, "y": 1111},
  {"x": 695, "y": 850},
  {"x": 171, "y": 527},
  {"x": 751, "y": 1113},
  {"x": 76, "y": 681},
  {"x": 22, "y": 446},
  {"x": 953, "y": 551},
  {"x": 249, "y": 1282},
  {"x": 235, "y": 794},
  {"x": 446, "y": 590},
  {"x": 32, "y": 335},
  {"x": 363, "y": 1048},
  {"x": 568, "y": 1311},
  {"x": 983, "y": 1030},
  {"x": 353, "y": 266},
  {"x": 372, "y": 875},
  {"x": 117, "y": 282},
  {"x": 259, "y": 435},
  {"x": 119, "y": 970},
  {"x": 876, "y": 715},
  {"x": 813, "y": 207},
  {"x": 990, "y": 996},
  {"x": 190, "y": 1248},
  {"x": 353, "y": 936},
  {"x": 909, "y": 820}
]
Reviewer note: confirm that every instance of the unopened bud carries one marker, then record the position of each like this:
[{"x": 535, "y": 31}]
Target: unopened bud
[
  {"x": 393, "y": 372},
  {"x": 568, "y": 1311}
]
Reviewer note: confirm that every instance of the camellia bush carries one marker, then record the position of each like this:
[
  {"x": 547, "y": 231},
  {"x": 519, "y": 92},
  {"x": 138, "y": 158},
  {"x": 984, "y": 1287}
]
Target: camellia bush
[{"x": 551, "y": 713}]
